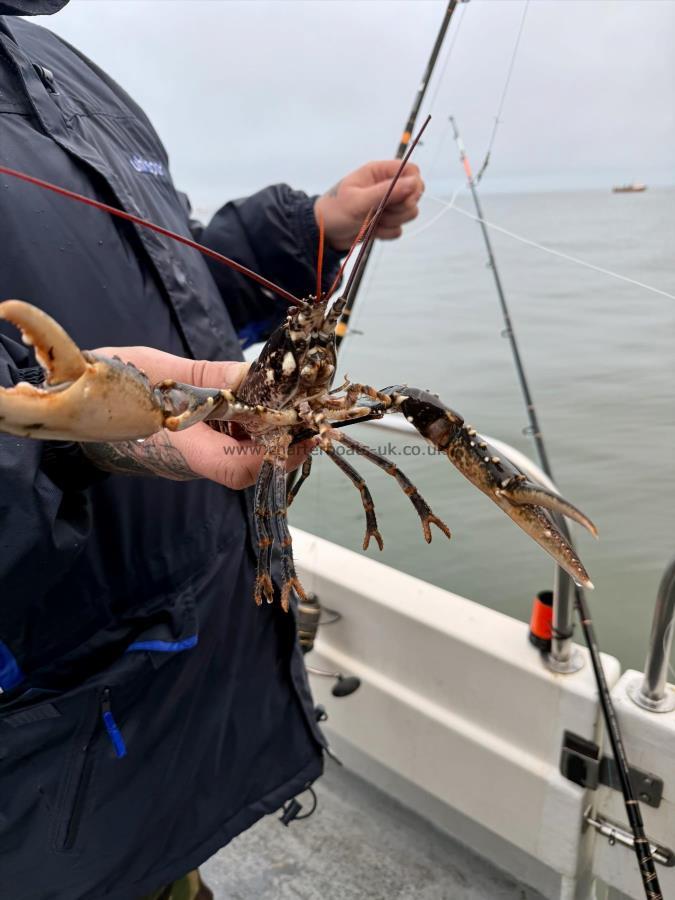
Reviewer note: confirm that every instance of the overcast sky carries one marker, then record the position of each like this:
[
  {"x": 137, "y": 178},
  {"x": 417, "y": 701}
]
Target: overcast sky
[{"x": 248, "y": 93}]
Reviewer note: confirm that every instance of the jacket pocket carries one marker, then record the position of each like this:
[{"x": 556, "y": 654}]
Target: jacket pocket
[
  {"x": 73, "y": 794},
  {"x": 71, "y": 803},
  {"x": 73, "y": 791},
  {"x": 67, "y": 746}
]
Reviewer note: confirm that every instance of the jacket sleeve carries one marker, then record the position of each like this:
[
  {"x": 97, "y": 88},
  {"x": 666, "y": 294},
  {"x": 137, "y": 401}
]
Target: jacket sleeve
[
  {"x": 44, "y": 509},
  {"x": 273, "y": 232}
]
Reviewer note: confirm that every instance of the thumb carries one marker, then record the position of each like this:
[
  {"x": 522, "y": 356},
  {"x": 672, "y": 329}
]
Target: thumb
[
  {"x": 159, "y": 366},
  {"x": 372, "y": 195},
  {"x": 218, "y": 374}
]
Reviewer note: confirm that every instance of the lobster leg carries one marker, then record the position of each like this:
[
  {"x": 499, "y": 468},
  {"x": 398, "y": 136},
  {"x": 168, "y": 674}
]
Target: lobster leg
[
  {"x": 528, "y": 504},
  {"x": 289, "y": 578},
  {"x": 353, "y": 393},
  {"x": 368, "y": 506},
  {"x": 422, "y": 508},
  {"x": 292, "y": 493},
  {"x": 263, "y": 579}
]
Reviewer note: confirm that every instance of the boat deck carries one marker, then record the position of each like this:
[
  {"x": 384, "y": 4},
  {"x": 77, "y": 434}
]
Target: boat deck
[{"x": 360, "y": 843}]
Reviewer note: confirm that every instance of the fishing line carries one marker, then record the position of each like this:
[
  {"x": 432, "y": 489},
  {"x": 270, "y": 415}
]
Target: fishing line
[
  {"x": 427, "y": 225},
  {"x": 491, "y": 142},
  {"x": 524, "y": 240},
  {"x": 641, "y": 845}
]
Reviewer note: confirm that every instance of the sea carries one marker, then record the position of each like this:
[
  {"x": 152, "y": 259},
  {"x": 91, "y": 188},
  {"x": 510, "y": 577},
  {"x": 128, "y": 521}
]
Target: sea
[{"x": 599, "y": 355}]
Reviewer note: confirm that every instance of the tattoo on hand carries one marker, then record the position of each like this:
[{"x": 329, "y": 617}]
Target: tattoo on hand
[
  {"x": 154, "y": 456},
  {"x": 332, "y": 192}
]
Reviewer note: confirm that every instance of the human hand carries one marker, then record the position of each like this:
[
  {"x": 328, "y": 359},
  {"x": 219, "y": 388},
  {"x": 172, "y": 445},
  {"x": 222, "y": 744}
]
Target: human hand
[
  {"x": 345, "y": 206},
  {"x": 198, "y": 451}
]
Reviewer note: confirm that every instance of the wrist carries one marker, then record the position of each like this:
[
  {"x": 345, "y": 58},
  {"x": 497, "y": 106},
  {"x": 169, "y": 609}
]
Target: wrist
[{"x": 156, "y": 456}]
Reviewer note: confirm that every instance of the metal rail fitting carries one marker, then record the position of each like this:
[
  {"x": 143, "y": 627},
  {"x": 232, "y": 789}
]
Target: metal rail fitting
[
  {"x": 652, "y": 693},
  {"x": 616, "y": 834}
]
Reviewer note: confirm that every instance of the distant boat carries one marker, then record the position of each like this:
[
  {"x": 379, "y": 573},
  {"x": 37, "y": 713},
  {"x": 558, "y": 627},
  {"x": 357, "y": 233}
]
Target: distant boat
[{"x": 635, "y": 188}]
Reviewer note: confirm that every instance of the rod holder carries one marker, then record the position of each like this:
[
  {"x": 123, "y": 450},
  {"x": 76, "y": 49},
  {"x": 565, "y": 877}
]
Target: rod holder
[
  {"x": 563, "y": 657},
  {"x": 652, "y": 693}
]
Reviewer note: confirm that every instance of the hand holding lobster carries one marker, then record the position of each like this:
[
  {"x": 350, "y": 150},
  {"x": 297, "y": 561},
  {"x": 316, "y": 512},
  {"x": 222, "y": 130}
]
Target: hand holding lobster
[{"x": 285, "y": 397}]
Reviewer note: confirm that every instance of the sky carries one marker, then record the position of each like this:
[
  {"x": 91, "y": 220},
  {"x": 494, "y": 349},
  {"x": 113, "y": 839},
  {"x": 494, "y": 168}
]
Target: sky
[{"x": 249, "y": 93}]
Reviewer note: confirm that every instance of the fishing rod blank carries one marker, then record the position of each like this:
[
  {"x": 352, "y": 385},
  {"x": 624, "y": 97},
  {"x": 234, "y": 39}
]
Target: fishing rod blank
[
  {"x": 646, "y": 865},
  {"x": 534, "y": 429},
  {"x": 342, "y": 325}
]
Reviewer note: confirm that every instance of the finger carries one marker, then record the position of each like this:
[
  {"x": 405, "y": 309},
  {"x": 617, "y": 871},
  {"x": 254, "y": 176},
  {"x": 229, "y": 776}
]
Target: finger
[
  {"x": 218, "y": 374},
  {"x": 384, "y": 170},
  {"x": 409, "y": 203},
  {"x": 240, "y": 464},
  {"x": 393, "y": 220},
  {"x": 298, "y": 453},
  {"x": 404, "y": 188},
  {"x": 388, "y": 234},
  {"x": 159, "y": 365},
  {"x": 219, "y": 457}
]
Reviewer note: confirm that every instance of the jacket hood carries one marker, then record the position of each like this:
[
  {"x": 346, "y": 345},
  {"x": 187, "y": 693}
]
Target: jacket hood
[{"x": 30, "y": 7}]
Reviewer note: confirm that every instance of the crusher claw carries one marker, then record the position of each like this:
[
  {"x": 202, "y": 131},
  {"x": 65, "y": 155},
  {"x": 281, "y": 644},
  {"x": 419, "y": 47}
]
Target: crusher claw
[
  {"x": 89, "y": 397},
  {"x": 55, "y": 350},
  {"x": 84, "y": 397}
]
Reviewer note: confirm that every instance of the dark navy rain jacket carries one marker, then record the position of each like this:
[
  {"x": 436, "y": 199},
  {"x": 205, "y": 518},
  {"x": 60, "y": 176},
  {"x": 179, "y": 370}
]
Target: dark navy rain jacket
[{"x": 149, "y": 710}]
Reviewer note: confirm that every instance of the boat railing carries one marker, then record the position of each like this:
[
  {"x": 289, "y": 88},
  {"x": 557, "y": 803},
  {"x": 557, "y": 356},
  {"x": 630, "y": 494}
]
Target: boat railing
[{"x": 651, "y": 693}]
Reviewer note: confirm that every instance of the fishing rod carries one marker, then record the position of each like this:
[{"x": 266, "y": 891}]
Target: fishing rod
[
  {"x": 534, "y": 428},
  {"x": 343, "y": 324},
  {"x": 641, "y": 845}
]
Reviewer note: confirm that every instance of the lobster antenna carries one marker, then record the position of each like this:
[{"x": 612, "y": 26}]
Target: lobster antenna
[
  {"x": 319, "y": 261},
  {"x": 370, "y": 231},
  {"x": 145, "y": 223},
  {"x": 357, "y": 240}
]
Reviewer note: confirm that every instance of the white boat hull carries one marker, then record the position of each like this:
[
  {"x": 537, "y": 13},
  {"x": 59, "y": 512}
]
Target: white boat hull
[{"x": 459, "y": 717}]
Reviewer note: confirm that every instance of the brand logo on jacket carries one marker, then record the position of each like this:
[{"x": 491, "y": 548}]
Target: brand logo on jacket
[{"x": 148, "y": 166}]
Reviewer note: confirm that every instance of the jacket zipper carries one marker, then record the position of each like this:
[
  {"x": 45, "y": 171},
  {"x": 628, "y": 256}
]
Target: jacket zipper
[{"x": 70, "y": 825}]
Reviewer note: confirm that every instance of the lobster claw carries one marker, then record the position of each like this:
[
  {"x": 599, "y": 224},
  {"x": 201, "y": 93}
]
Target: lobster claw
[
  {"x": 528, "y": 504},
  {"x": 88, "y": 397}
]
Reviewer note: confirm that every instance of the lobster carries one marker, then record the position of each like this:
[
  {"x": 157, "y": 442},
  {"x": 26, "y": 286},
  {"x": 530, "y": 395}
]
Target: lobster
[{"x": 286, "y": 397}]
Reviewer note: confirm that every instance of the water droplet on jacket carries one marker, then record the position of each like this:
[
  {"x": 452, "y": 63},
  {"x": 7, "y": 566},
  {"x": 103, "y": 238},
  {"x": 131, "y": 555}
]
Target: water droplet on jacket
[{"x": 100, "y": 243}]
